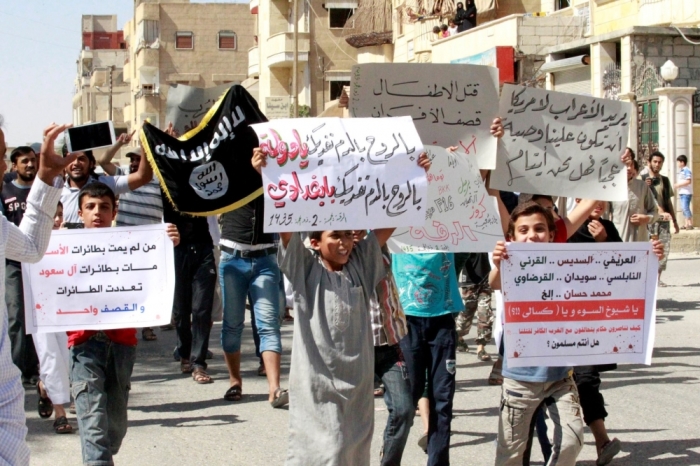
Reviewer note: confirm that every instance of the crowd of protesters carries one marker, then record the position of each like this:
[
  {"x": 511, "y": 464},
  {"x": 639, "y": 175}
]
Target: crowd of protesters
[{"x": 354, "y": 318}]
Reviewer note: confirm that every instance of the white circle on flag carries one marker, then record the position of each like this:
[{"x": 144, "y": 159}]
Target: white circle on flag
[{"x": 209, "y": 181}]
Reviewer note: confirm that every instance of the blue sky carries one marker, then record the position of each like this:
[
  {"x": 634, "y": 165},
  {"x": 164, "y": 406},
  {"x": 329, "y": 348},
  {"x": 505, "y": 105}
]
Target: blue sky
[{"x": 40, "y": 40}]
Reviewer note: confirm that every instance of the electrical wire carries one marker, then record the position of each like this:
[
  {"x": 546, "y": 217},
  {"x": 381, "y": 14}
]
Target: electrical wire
[{"x": 686, "y": 39}]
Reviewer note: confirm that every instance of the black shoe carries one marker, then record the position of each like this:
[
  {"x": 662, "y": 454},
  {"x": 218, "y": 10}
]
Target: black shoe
[
  {"x": 176, "y": 355},
  {"x": 209, "y": 355}
]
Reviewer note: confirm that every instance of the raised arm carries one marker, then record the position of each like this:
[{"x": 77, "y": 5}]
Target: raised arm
[
  {"x": 578, "y": 216},
  {"x": 28, "y": 242},
  {"x": 105, "y": 160},
  {"x": 142, "y": 176},
  {"x": 499, "y": 254}
]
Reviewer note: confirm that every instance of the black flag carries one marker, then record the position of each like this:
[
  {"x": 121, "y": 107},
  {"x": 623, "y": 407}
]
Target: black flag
[{"x": 207, "y": 170}]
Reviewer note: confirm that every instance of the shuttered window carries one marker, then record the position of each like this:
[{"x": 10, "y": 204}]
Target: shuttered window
[
  {"x": 184, "y": 40},
  {"x": 227, "y": 40},
  {"x": 576, "y": 81}
]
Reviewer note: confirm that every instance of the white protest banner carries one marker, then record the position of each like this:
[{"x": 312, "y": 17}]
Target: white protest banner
[
  {"x": 451, "y": 105},
  {"x": 101, "y": 279},
  {"x": 562, "y": 144},
  {"x": 579, "y": 304},
  {"x": 460, "y": 216},
  {"x": 328, "y": 173},
  {"x": 187, "y": 105}
]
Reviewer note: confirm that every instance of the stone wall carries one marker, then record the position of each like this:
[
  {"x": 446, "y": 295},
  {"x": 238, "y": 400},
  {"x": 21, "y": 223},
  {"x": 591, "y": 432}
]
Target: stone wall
[{"x": 658, "y": 49}]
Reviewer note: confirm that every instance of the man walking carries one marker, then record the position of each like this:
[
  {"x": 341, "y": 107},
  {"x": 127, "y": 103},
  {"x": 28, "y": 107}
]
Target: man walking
[
  {"x": 632, "y": 216},
  {"x": 14, "y": 203},
  {"x": 663, "y": 193}
]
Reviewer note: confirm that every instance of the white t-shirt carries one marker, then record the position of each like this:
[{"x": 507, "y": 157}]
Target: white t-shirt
[
  {"x": 685, "y": 174},
  {"x": 69, "y": 196}
]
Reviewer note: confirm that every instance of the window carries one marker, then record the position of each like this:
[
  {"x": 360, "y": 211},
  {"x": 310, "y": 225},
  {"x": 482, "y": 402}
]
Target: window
[
  {"x": 337, "y": 17},
  {"x": 648, "y": 138},
  {"x": 184, "y": 40},
  {"x": 561, "y": 4},
  {"x": 337, "y": 88},
  {"x": 227, "y": 40},
  {"x": 148, "y": 31}
]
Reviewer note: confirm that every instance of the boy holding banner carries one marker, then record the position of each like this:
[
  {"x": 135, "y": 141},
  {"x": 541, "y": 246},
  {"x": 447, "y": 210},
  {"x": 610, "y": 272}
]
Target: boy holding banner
[
  {"x": 525, "y": 389},
  {"x": 102, "y": 361},
  {"x": 331, "y": 380}
]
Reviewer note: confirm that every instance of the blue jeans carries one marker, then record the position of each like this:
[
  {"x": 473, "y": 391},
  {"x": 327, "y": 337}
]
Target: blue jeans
[
  {"x": 429, "y": 351},
  {"x": 259, "y": 277},
  {"x": 100, "y": 382},
  {"x": 685, "y": 205},
  {"x": 390, "y": 368}
]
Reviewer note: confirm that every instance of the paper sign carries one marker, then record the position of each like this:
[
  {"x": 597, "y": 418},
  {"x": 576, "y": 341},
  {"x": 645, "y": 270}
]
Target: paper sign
[
  {"x": 187, "y": 105},
  {"x": 562, "y": 144},
  {"x": 579, "y": 304},
  {"x": 451, "y": 105},
  {"x": 460, "y": 215},
  {"x": 101, "y": 279},
  {"x": 328, "y": 173}
]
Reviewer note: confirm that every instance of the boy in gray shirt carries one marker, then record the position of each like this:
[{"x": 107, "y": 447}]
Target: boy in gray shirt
[{"x": 331, "y": 406}]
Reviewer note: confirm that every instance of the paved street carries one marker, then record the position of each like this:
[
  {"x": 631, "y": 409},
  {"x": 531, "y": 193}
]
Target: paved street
[{"x": 653, "y": 410}]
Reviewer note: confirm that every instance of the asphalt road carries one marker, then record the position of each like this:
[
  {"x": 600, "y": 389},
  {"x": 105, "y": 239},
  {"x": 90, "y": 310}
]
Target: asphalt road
[{"x": 653, "y": 410}]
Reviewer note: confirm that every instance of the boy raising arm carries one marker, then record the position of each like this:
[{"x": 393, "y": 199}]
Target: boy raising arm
[{"x": 331, "y": 378}]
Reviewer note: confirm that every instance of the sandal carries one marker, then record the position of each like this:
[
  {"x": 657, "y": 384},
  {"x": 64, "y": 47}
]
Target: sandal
[
  {"x": 71, "y": 408},
  {"x": 609, "y": 450},
  {"x": 483, "y": 355},
  {"x": 61, "y": 426},
  {"x": 379, "y": 391},
  {"x": 234, "y": 393},
  {"x": 281, "y": 398},
  {"x": 185, "y": 366},
  {"x": 495, "y": 379},
  {"x": 200, "y": 376},
  {"x": 148, "y": 335},
  {"x": 45, "y": 406},
  {"x": 261, "y": 370}
]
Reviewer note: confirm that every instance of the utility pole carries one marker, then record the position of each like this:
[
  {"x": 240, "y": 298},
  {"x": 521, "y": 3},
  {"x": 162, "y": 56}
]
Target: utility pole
[
  {"x": 295, "y": 63},
  {"x": 111, "y": 69}
]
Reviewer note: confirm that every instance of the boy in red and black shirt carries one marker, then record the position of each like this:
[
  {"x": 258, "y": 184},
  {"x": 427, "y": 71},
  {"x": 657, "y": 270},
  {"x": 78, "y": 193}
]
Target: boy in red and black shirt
[{"x": 102, "y": 361}]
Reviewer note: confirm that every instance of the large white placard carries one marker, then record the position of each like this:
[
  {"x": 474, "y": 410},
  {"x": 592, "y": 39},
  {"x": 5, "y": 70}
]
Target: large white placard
[
  {"x": 451, "y": 105},
  {"x": 562, "y": 144},
  {"x": 579, "y": 304},
  {"x": 101, "y": 279},
  {"x": 328, "y": 173},
  {"x": 460, "y": 216}
]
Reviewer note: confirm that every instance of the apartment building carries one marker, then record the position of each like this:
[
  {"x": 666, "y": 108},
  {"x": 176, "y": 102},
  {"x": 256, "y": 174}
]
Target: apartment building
[
  {"x": 100, "y": 90},
  {"x": 178, "y": 42},
  {"x": 324, "y": 58}
]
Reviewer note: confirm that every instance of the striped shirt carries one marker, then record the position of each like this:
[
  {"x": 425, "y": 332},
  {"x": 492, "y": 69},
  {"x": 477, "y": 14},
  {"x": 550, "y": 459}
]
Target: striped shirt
[
  {"x": 386, "y": 314},
  {"x": 143, "y": 206},
  {"x": 26, "y": 243}
]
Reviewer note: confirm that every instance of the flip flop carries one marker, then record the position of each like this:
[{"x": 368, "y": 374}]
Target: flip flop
[
  {"x": 483, "y": 356},
  {"x": 608, "y": 452},
  {"x": 281, "y": 398},
  {"x": 234, "y": 393},
  {"x": 200, "y": 376},
  {"x": 45, "y": 406},
  {"x": 148, "y": 335},
  {"x": 61, "y": 426},
  {"x": 185, "y": 366}
]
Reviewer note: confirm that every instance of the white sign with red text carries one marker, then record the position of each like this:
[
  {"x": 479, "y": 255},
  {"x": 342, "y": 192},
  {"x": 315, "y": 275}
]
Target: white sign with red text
[
  {"x": 579, "y": 304},
  {"x": 460, "y": 216},
  {"x": 333, "y": 174},
  {"x": 101, "y": 279}
]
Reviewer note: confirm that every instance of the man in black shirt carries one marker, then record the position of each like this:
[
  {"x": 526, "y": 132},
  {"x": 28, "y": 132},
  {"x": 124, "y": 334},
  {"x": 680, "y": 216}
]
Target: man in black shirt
[
  {"x": 14, "y": 203},
  {"x": 596, "y": 230},
  {"x": 195, "y": 279}
]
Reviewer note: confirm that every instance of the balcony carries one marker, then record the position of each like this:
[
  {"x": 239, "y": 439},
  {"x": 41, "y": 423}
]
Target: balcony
[
  {"x": 279, "y": 49},
  {"x": 148, "y": 58},
  {"x": 253, "y": 62},
  {"x": 254, "y": 6},
  {"x": 99, "y": 78}
]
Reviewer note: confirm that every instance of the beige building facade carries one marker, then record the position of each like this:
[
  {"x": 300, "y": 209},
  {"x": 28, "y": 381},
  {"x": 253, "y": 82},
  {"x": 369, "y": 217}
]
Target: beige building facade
[
  {"x": 100, "y": 78},
  {"x": 324, "y": 58},
  {"x": 178, "y": 42}
]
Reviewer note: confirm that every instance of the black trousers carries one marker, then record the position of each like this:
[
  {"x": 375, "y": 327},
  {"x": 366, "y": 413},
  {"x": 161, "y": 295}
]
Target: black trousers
[
  {"x": 588, "y": 384},
  {"x": 195, "y": 280},
  {"x": 23, "y": 352},
  {"x": 429, "y": 351}
]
